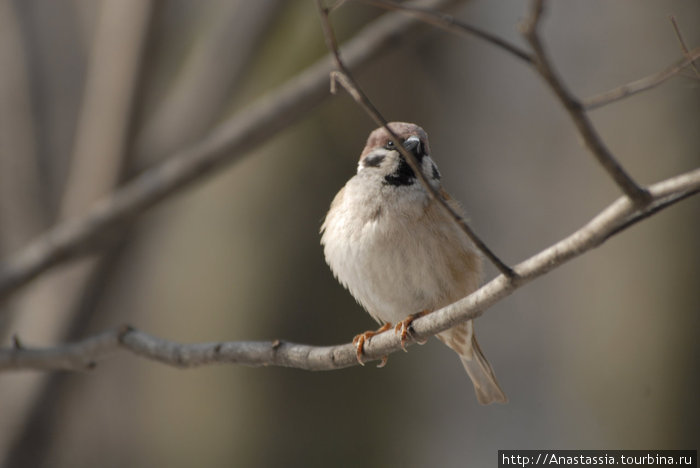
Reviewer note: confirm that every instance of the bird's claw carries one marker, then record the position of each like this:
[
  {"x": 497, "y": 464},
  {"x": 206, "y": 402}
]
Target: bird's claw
[
  {"x": 360, "y": 340},
  {"x": 403, "y": 328}
]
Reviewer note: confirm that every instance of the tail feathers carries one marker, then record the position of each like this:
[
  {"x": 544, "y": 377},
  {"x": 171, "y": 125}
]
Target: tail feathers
[
  {"x": 484, "y": 380},
  {"x": 463, "y": 341}
]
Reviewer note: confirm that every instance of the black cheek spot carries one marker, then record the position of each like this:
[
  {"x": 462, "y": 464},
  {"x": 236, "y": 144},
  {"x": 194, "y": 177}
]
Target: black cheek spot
[
  {"x": 436, "y": 173},
  {"x": 373, "y": 161}
]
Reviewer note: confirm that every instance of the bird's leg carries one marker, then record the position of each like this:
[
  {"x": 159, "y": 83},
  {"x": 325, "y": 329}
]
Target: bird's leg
[
  {"x": 359, "y": 342},
  {"x": 403, "y": 327}
]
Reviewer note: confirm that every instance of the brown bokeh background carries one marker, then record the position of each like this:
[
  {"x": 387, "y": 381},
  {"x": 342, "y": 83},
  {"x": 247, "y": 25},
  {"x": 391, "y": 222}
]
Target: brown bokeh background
[{"x": 600, "y": 353}]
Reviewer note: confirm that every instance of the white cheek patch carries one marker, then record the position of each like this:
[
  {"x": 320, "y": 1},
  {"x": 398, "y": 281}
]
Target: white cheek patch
[{"x": 372, "y": 160}]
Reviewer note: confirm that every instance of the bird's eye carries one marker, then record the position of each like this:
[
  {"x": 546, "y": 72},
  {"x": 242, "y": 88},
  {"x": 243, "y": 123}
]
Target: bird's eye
[{"x": 389, "y": 144}]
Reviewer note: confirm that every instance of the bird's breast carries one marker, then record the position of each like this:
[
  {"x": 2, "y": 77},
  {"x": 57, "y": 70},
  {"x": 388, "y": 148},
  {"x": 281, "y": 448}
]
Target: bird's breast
[{"x": 394, "y": 258}]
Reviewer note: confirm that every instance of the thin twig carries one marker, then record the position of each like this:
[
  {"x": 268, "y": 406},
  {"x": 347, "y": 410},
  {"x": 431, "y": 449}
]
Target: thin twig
[
  {"x": 642, "y": 84},
  {"x": 451, "y": 24},
  {"x": 454, "y": 25},
  {"x": 83, "y": 355},
  {"x": 530, "y": 29},
  {"x": 342, "y": 76},
  {"x": 684, "y": 47},
  {"x": 653, "y": 208},
  {"x": 233, "y": 138}
]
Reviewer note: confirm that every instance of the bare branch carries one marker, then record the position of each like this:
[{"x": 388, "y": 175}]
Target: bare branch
[
  {"x": 84, "y": 354},
  {"x": 642, "y": 84},
  {"x": 232, "y": 139},
  {"x": 454, "y": 25},
  {"x": 451, "y": 24},
  {"x": 530, "y": 29},
  {"x": 343, "y": 77}
]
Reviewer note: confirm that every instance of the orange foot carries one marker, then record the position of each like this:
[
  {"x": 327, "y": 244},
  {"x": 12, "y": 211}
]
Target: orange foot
[
  {"x": 359, "y": 342},
  {"x": 404, "y": 326}
]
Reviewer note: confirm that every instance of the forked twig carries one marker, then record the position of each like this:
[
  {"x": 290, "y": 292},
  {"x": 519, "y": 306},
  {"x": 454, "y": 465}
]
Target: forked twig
[
  {"x": 684, "y": 47},
  {"x": 530, "y": 29},
  {"x": 455, "y": 26}
]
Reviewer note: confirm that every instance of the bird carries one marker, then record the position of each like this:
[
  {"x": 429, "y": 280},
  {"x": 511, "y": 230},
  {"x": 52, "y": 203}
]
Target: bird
[{"x": 400, "y": 253}]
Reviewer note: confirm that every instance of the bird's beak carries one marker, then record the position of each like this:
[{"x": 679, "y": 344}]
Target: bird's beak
[{"x": 413, "y": 145}]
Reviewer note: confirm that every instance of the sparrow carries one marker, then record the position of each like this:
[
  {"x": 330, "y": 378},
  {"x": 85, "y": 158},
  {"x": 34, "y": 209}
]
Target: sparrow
[{"x": 398, "y": 251}]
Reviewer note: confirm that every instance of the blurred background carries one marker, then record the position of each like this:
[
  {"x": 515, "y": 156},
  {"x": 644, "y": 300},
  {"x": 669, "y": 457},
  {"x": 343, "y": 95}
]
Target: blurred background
[{"x": 600, "y": 353}]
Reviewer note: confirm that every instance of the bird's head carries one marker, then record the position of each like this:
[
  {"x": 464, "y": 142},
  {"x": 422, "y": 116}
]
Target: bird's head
[{"x": 381, "y": 158}]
